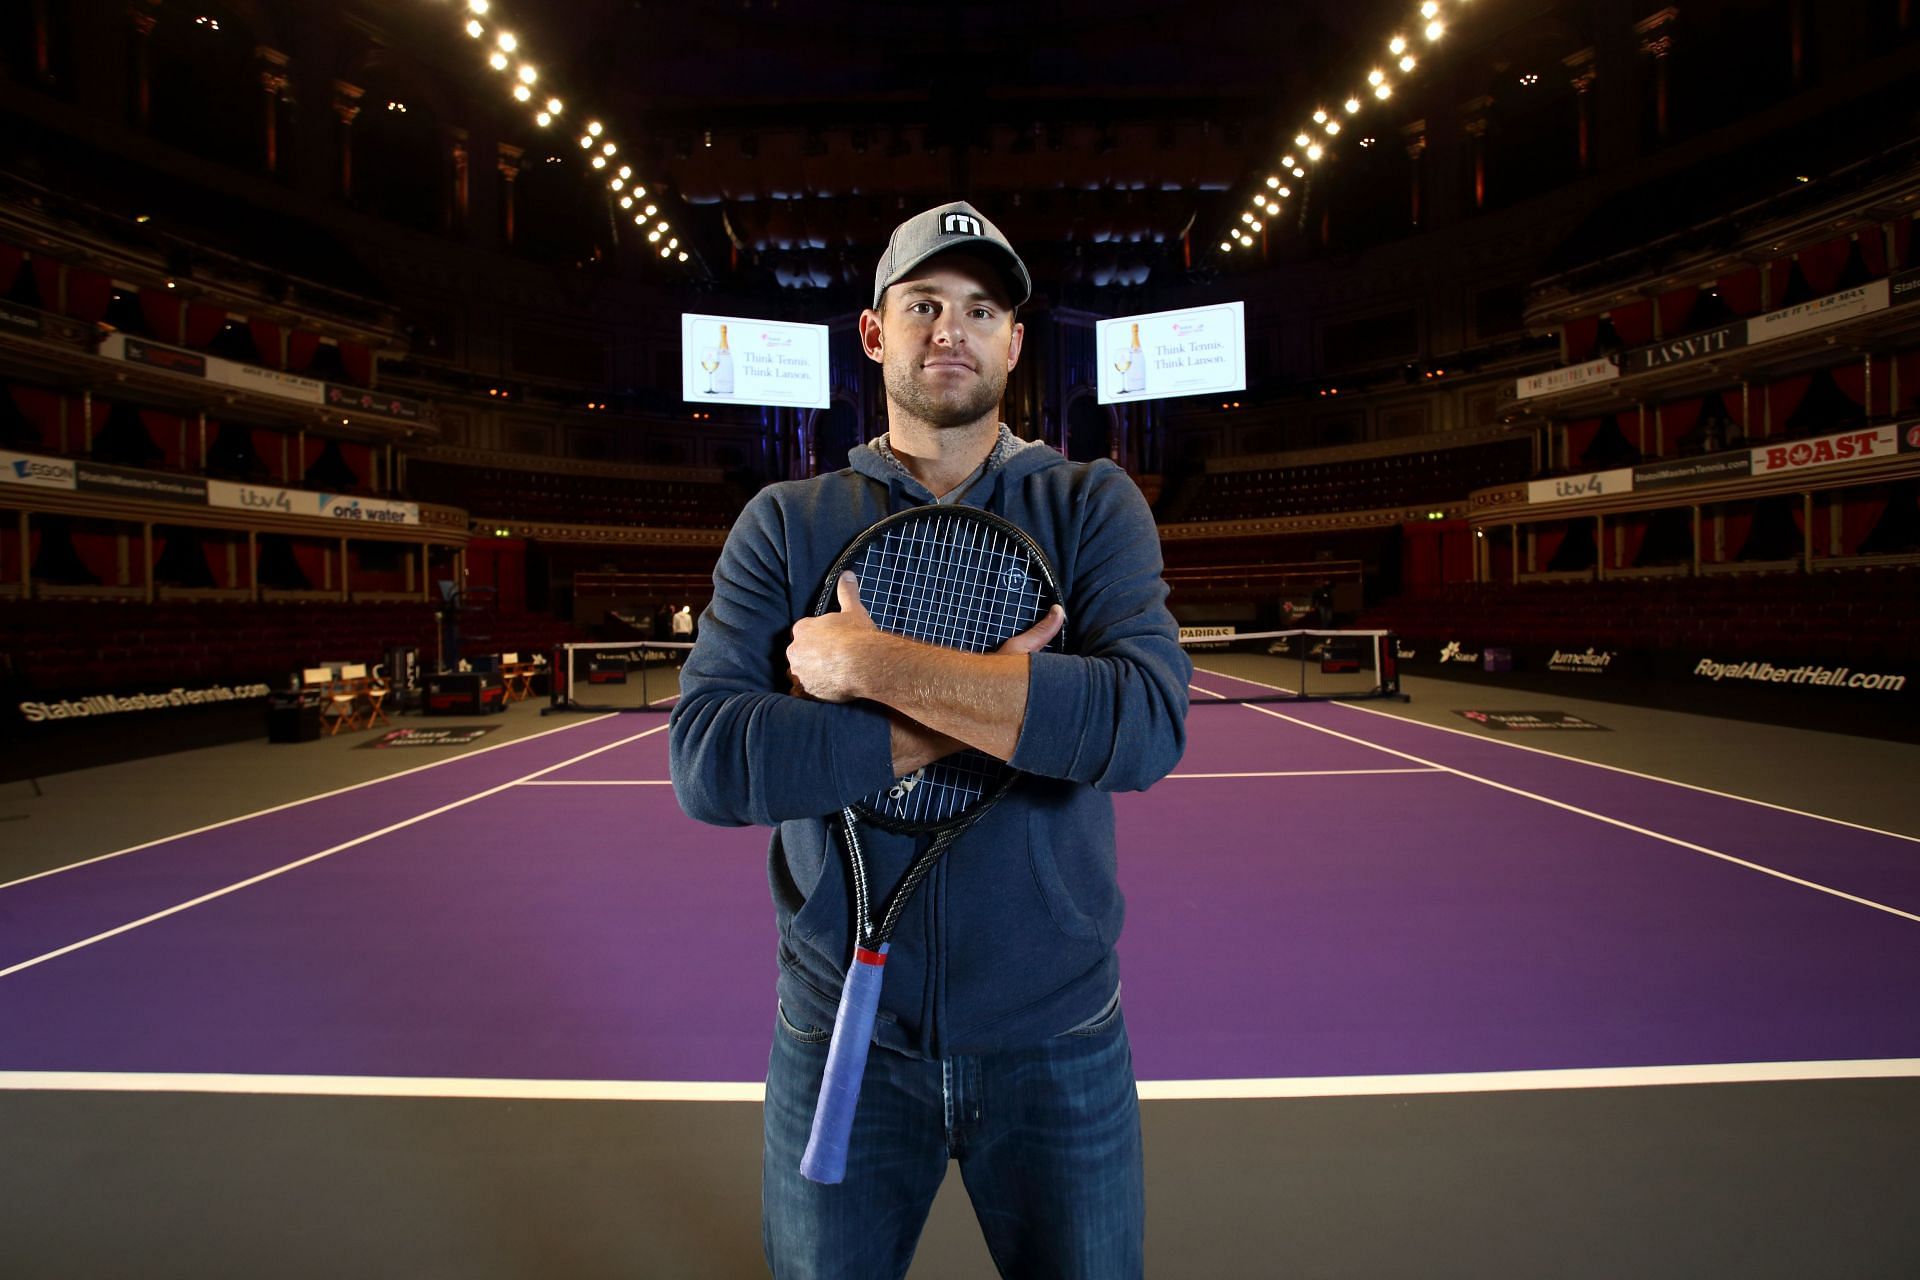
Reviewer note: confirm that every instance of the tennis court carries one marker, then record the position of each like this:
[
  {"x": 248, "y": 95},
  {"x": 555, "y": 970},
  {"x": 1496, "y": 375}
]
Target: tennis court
[{"x": 1323, "y": 899}]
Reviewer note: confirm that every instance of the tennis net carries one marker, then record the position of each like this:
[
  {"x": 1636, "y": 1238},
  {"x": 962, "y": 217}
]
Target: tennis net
[
  {"x": 617, "y": 675},
  {"x": 1229, "y": 666},
  {"x": 1291, "y": 666}
]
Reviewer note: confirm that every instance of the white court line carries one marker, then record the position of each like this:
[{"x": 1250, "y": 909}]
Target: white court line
[
  {"x": 294, "y": 804},
  {"x": 312, "y": 857},
  {"x": 1592, "y": 764},
  {"x": 1150, "y": 1090},
  {"x": 602, "y": 782},
  {"x": 1295, "y": 773},
  {"x": 1597, "y": 817}
]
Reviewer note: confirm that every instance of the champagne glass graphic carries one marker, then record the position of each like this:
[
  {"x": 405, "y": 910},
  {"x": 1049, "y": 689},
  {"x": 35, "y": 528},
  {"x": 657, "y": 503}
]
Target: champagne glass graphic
[
  {"x": 1123, "y": 357},
  {"x": 709, "y": 360}
]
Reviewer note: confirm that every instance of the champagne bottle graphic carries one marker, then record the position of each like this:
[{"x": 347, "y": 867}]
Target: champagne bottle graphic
[
  {"x": 723, "y": 376},
  {"x": 1135, "y": 373}
]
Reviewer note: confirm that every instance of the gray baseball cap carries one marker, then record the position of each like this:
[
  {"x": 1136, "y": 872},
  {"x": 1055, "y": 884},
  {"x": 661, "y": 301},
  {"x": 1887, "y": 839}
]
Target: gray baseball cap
[{"x": 940, "y": 230}]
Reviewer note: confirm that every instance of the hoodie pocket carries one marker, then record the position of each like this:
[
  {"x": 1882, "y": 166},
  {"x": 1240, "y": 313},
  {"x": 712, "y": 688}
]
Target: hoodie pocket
[{"x": 1070, "y": 851}]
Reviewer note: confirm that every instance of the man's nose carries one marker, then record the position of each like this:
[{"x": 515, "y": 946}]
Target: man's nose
[{"x": 947, "y": 329}]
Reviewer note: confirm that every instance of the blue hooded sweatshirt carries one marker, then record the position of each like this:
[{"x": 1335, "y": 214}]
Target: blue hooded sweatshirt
[{"x": 1011, "y": 938}]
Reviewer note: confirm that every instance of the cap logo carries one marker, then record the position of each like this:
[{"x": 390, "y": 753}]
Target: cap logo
[{"x": 961, "y": 224}]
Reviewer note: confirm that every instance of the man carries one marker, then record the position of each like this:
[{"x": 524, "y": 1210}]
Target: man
[{"x": 1000, "y": 1041}]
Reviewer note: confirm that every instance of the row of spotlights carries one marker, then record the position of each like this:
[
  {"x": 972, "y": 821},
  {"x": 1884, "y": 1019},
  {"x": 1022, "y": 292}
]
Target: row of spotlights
[
  {"x": 1330, "y": 123},
  {"x": 526, "y": 76}
]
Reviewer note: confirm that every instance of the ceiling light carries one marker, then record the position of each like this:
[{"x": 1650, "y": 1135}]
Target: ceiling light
[
  {"x": 1285, "y": 192},
  {"x": 1397, "y": 45},
  {"x": 586, "y": 144},
  {"x": 528, "y": 75},
  {"x": 616, "y": 183},
  {"x": 1314, "y": 152},
  {"x": 521, "y": 92},
  {"x": 653, "y": 237},
  {"x": 1430, "y": 9},
  {"x": 507, "y": 43},
  {"x": 626, "y": 171},
  {"x": 593, "y": 128},
  {"x": 1375, "y": 76},
  {"x": 626, "y": 202},
  {"x": 553, "y": 105},
  {"x": 683, "y": 255},
  {"x": 1227, "y": 245},
  {"x": 1333, "y": 127},
  {"x": 608, "y": 149},
  {"x": 1436, "y": 29},
  {"x": 1272, "y": 181},
  {"x": 1320, "y": 115},
  {"x": 599, "y": 162},
  {"x": 498, "y": 61},
  {"x": 543, "y": 119},
  {"x": 1406, "y": 63},
  {"x": 475, "y": 30},
  {"x": 1301, "y": 140},
  {"x": 477, "y": 6},
  {"x": 1383, "y": 92},
  {"x": 1352, "y": 105}
]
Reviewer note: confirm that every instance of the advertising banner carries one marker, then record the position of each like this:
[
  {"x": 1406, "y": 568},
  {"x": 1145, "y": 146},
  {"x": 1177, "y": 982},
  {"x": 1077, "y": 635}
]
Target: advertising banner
[
  {"x": 734, "y": 360},
  {"x": 31, "y": 469},
  {"x": 1819, "y": 312},
  {"x": 1196, "y": 351},
  {"x": 303, "y": 502},
  {"x": 1605, "y": 369},
  {"x": 1595, "y": 484},
  {"x": 1694, "y": 346},
  {"x": 1702, "y": 470},
  {"x": 125, "y": 482},
  {"x": 361, "y": 400},
  {"x": 1826, "y": 451}
]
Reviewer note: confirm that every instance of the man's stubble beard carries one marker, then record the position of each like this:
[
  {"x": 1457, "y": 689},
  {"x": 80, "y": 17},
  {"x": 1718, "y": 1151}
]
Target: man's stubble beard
[{"x": 912, "y": 396}]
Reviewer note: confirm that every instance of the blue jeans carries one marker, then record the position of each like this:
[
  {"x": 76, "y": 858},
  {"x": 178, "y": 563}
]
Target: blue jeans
[{"x": 1048, "y": 1140}]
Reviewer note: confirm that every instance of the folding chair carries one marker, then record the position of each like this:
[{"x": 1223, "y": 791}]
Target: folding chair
[
  {"x": 345, "y": 698},
  {"x": 375, "y": 694}
]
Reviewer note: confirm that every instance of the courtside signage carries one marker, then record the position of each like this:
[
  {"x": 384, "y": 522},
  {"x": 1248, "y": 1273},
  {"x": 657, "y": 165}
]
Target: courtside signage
[
  {"x": 1595, "y": 484},
  {"x": 1605, "y": 369},
  {"x": 1197, "y": 351},
  {"x": 87, "y": 706},
  {"x": 31, "y": 469},
  {"x": 1847, "y": 446},
  {"x": 734, "y": 360}
]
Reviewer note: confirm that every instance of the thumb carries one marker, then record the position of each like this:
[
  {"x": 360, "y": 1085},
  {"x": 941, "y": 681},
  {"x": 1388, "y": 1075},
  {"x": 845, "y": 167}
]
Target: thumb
[
  {"x": 848, "y": 593},
  {"x": 1040, "y": 634}
]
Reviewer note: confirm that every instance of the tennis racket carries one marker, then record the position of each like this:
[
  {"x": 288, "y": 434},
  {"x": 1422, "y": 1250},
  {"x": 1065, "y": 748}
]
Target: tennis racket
[{"x": 964, "y": 579}]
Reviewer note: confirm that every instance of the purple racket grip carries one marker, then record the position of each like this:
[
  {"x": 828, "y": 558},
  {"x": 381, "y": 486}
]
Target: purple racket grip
[{"x": 825, "y": 1159}]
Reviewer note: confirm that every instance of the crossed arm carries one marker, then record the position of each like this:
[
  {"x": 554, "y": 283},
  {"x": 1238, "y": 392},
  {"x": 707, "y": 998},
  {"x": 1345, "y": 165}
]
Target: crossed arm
[{"x": 937, "y": 699}]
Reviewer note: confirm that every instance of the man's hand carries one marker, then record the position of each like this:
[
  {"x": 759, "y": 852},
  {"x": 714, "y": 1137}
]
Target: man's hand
[
  {"x": 942, "y": 698},
  {"x": 830, "y": 654}
]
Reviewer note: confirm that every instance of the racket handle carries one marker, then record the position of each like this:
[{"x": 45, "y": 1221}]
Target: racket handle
[{"x": 826, "y": 1155}]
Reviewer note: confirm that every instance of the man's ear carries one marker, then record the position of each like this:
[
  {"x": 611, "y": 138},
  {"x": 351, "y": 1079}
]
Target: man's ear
[
  {"x": 1013, "y": 347},
  {"x": 871, "y": 339}
]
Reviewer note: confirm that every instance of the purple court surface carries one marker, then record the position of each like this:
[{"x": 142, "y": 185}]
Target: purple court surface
[{"x": 1321, "y": 893}]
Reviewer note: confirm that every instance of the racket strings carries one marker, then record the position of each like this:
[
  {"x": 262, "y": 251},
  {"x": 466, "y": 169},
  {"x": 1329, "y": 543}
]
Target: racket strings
[{"x": 960, "y": 583}]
